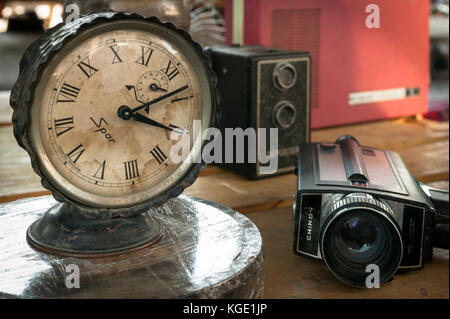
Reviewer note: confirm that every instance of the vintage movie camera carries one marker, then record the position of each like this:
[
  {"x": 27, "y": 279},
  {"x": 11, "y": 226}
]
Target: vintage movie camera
[
  {"x": 264, "y": 88},
  {"x": 358, "y": 206}
]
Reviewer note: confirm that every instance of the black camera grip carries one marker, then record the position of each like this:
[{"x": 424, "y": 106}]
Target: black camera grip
[
  {"x": 440, "y": 202},
  {"x": 441, "y": 236},
  {"x": 440, "y": 199}
]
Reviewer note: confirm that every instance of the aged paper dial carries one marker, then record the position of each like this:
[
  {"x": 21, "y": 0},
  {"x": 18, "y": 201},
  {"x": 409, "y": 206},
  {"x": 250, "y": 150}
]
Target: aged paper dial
[{"x": 106, "y": 107}]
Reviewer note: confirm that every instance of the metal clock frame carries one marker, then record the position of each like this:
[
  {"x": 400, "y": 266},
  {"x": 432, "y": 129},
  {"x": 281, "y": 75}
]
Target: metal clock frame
[{"x": 33, "y": 64}]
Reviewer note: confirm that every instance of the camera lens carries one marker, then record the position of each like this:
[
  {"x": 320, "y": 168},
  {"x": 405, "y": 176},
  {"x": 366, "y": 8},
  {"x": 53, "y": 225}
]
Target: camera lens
[
  {"x": 284, "y": 115},
  {"x": 358, "y": 237},
  {"x": 285, "y": 76},
  {"x": 355, "y": 237}
]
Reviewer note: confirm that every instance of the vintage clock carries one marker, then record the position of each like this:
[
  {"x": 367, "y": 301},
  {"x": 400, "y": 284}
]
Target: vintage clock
[{"x": 99, "y": 105}]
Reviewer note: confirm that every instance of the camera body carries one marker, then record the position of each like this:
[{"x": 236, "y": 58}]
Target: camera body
[
  {"x": 264, "y": 88},
  {"x": 357, "y": 206}
]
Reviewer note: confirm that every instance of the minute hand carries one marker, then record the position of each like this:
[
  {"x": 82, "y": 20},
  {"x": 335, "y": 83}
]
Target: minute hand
[
  {"x": 143, "y": 119},
  {"x": 163, "y": 97}
]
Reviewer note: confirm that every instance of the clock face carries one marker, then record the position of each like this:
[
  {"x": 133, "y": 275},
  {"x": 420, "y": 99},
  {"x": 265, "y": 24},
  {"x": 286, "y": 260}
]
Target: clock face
[{"x": 110, "y": 108}]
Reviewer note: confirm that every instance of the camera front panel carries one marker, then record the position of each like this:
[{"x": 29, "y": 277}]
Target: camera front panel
[
  {"x": 314, "y": 211},
  {"x": 412, "y": 221},
  {"x": 283, "y": 102}
]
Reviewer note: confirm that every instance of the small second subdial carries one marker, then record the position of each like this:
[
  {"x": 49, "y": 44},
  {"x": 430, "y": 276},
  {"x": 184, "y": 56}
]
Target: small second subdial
[{"x": 152, "y": 85}]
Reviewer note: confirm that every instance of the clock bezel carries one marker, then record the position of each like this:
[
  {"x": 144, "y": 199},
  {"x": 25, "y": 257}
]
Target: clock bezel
[{"x": 23, "y": 98}]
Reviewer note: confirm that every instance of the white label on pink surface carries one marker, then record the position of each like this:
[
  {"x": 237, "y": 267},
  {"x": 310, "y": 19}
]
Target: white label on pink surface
[{"x": 377, "y": 96}]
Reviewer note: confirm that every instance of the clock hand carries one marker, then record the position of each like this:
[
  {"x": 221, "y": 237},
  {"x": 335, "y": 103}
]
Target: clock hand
[
  {"x": 143, "y": 119},
  {"x": 126, "y": 113},
  {"x": 124, "y": 109},
  {"x": 155, "y": 87}
]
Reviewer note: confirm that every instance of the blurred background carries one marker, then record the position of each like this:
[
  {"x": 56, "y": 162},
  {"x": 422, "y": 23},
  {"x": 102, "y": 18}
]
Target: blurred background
[
  {"x": 21, "y": 22},
  {"x": 439, "y": 26}
]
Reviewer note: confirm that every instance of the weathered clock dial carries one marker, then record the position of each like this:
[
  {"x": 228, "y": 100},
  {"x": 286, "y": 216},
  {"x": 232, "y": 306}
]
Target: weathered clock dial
[
  {"x": 109, "y": 107},
  {"x": 102, "y": 105},
  {"x": 85, "y": 139}
]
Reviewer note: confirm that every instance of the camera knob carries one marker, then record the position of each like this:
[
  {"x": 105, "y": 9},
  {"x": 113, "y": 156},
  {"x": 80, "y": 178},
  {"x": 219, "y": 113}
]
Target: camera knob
[
  {"x": 284, "y": 75},
  {"x": 284, "y": 115}
]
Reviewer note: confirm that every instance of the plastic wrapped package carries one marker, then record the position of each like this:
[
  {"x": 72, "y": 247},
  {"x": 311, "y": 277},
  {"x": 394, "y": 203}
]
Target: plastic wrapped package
[{"x": 207, "y": 251}]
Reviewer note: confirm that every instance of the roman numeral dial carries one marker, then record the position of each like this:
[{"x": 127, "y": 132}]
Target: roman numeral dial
[
  {"x": 171, "y": 70},
  {"x": 63, "y": 125},
  {"x": 100, "y": 173},
  {"x": 115, "y": 50},
  {"x": 75, "y": 154},
  {"x": 159, "y": 156},
  {"x": 91, "y": 144},
  {"x": 131, "y": 169},
  {"x": 146, "y": 55},
  {"x": 86, "y": 67},
  {"x": 68, "y": 93}
]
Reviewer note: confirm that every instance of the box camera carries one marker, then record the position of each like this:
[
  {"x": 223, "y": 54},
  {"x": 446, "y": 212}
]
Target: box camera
[
  {"x": 358, "y": 206},
  {"x": 264, "y": 88}
]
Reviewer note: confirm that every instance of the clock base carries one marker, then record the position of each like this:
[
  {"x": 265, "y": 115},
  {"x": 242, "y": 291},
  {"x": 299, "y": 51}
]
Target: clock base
[
  {"x": 61, "y": 232},
  {"x": 207, "y": 251}
]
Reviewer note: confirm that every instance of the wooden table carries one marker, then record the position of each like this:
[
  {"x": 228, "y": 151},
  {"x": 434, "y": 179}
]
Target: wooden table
[
  {"x": 291, "y": 276},
  {"x": 423, "y": 144}
]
